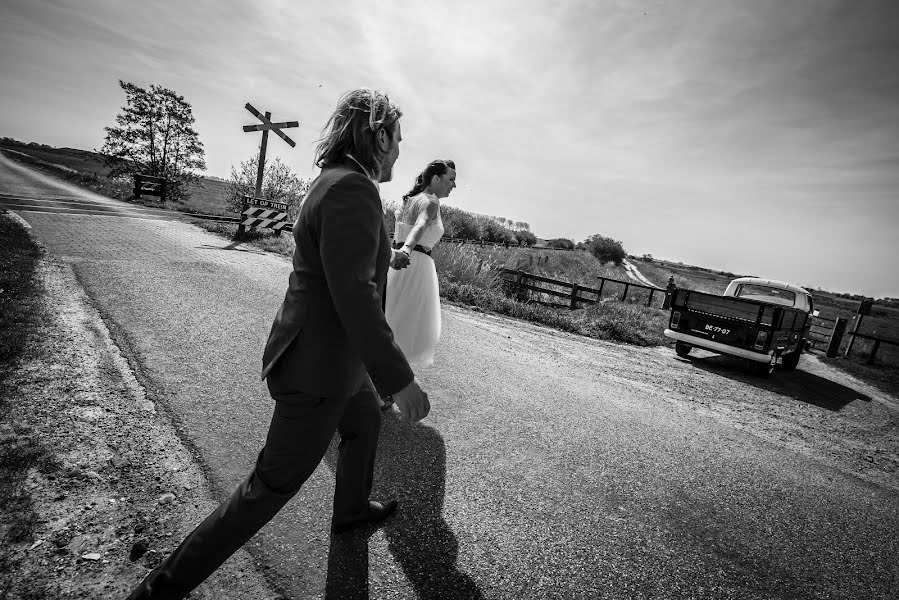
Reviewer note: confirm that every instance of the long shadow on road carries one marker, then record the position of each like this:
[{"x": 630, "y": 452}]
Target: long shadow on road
[
  {"x": 798, "y": 384},
  {"x": 411, "y": 467}
]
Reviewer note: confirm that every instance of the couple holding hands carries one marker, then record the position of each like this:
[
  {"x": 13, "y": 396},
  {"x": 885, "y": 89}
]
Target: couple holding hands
[{"x": 338, "y": 344}]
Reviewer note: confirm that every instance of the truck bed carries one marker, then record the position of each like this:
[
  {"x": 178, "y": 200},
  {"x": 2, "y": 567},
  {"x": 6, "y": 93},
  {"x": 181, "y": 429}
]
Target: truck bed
[{"x": 733, "y": 325}]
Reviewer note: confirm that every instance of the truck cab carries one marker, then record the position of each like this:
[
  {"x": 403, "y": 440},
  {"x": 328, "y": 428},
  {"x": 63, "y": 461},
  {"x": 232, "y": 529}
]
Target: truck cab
[{"x": 760, "y": 320}]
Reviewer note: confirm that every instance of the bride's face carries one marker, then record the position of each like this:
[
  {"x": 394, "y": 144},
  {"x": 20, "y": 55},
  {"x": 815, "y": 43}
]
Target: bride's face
[{"x": 444, "y": 184}]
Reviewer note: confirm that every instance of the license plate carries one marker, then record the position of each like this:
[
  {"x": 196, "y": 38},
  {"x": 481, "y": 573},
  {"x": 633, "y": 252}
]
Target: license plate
[{"x": 715, "y": 332}]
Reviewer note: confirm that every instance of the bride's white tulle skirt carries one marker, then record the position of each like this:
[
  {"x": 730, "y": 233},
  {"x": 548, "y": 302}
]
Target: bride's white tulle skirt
[{"x": 412, "y": 306}]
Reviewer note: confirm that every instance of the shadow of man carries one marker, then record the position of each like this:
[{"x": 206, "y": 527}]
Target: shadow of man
[{"x": 411, "y": 467}]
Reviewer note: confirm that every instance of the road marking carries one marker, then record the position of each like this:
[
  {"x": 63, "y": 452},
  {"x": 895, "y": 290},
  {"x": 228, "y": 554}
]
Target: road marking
[{"x": 17, "y": 217}]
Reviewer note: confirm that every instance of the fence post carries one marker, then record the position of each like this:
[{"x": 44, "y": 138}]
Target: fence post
[
  {"x": 574, "y": 288},
  {"x": 241, "y": 230},
  {"x": 602, "y": 282},
  {"x": 518, "y": 281},
  {"x": 162, "y": 190},
  {"x": 857, "y": 319},
  {"x": 624, "y": 295},
  {"x": 864, "y": 308},
  {"x": 836, "y": 338},
  {"x": 651, "y": 292},
  {"x": 873, "y": 351},
  {"x": 669, "y": 293}
]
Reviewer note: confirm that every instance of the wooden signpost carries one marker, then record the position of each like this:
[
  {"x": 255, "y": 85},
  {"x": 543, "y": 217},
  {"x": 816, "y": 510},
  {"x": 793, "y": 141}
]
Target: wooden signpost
[{"x": 264, "y": 127}]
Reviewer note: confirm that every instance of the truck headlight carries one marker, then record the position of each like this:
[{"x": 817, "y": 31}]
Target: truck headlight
[{"x": 675, "y": 318}]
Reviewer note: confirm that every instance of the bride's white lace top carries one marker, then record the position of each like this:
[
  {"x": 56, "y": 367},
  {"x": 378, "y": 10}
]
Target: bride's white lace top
[{"x": 432, "y": 233}]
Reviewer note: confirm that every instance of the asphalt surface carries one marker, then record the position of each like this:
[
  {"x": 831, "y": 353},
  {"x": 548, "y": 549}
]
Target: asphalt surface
[{"x": 551, "y": 466}]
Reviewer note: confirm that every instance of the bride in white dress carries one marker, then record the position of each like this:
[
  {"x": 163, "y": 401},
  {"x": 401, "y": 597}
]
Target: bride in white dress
[{"x": 412, "y": 299}]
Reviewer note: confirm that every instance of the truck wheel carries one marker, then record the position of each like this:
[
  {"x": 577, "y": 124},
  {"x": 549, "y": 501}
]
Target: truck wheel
[
  {"x": 790, "y": 361},
  {"x": 682, "y": 349}
]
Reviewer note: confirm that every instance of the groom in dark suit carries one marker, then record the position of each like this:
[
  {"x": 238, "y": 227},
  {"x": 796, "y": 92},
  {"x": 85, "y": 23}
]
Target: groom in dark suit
[{"x": 328, "y": 335}]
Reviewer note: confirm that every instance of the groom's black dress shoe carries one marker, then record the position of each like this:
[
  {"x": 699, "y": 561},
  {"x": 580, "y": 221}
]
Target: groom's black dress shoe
[{"x": 377, "y": 511}]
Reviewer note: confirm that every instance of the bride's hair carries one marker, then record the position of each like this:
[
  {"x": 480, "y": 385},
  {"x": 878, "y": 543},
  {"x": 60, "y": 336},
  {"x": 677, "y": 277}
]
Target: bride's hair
[{"x": 435, "y": 167}]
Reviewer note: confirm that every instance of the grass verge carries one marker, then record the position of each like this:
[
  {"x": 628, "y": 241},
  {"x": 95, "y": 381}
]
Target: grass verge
[{"x": 20, "y": 310}]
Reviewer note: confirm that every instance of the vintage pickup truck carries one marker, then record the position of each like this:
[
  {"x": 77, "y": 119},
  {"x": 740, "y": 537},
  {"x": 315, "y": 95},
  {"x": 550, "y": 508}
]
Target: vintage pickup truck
[{"x": 759, "y": 320}]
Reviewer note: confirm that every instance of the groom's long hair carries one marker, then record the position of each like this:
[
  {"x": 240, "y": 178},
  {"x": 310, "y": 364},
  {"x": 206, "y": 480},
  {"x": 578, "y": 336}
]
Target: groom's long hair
[{"x": 353, "y": 128}]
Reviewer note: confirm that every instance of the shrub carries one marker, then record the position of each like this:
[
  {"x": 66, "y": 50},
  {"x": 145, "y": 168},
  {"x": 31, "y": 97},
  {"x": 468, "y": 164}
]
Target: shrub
[
  {"x": 525, "y": 237},
  {"x": 563, "y": 243},
  {"x": 279, "y": 184},
  {"x": 605, "y": 249},
  {"x": 461, "y": 224}
]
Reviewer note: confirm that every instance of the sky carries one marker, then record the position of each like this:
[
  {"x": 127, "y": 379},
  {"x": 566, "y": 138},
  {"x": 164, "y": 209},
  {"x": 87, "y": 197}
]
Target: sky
[{"x": 753, "y": 136}]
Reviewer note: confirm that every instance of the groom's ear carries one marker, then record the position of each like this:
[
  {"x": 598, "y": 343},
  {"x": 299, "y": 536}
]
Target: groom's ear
[{"x": 383, "y": 139}]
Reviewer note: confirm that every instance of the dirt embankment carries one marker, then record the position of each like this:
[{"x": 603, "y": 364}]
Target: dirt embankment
[{"x": 119, "y": 489}]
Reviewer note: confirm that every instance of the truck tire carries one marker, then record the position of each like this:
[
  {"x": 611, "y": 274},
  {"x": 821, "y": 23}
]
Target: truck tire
[
  {"x": 789, "y": 361},
  {"x": 682, "y": 349}
]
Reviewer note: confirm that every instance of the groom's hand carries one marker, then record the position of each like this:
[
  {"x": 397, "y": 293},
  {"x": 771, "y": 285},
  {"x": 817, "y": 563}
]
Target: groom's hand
[
  {"x": 400, "y": 260},
  {"x": 412, "y": 402}
]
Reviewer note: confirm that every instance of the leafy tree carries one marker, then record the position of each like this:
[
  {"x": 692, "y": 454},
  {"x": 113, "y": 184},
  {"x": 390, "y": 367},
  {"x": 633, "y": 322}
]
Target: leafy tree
[
  {"x": 494, "y": 231},
  {"x": 459, "y": 223},
  {"x": 279, "y": 184},
  {"x": 564, "y": 243},
  {"x": 154, "y": 135},
  {"x": 525, "y": 236},
  {"x": 605, "y": 249}
]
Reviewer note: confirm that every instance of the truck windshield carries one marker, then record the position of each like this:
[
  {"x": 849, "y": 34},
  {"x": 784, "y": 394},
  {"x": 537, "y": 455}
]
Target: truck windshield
[{"x": 766, "y": 294}]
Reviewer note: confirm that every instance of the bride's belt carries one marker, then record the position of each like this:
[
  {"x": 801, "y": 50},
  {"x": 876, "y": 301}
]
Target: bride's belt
[{"x": 417, "y": 248}]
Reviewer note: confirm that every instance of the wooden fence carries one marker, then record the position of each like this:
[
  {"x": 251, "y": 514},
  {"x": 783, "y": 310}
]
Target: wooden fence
[
  {"x": 819, "y": 332},
  {"x": 820, "y": 338},
  {"x": 521, "y": 284}
]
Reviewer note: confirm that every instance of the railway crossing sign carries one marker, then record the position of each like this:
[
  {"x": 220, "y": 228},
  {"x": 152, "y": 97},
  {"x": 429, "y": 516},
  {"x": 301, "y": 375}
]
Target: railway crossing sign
[
  {"x": 265, "y": 127},
  {"x": 263, "y": 213}
]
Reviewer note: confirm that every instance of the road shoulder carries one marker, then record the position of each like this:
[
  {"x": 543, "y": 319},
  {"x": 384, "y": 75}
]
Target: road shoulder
[{"x": 120, "y": 490}]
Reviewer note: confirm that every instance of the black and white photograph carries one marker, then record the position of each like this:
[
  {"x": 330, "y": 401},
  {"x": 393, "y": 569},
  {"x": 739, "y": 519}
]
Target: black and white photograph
[{"x": 472, "y": 300}]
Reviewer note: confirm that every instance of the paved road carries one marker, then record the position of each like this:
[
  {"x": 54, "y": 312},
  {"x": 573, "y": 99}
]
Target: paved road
[{"x": 552, "y": 466}]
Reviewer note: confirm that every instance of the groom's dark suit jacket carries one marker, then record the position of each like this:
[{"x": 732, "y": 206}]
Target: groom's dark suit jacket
[{"x": 331, "y": 328}]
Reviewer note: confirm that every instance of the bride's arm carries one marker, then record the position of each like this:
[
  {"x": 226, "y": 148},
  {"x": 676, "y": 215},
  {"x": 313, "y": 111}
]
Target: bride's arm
[{"x": 426, "y": 212}]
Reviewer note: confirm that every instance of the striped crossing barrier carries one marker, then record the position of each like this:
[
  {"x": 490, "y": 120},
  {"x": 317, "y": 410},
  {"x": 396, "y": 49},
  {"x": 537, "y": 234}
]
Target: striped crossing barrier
[
  {"x": 263, "y": 217},
  {"x": 264, "y": 213}
]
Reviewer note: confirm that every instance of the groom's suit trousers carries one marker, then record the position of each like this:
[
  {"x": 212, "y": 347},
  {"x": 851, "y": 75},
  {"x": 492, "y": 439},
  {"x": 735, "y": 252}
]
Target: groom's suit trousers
[{"x": 299, "y": 435}]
